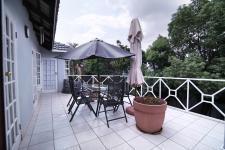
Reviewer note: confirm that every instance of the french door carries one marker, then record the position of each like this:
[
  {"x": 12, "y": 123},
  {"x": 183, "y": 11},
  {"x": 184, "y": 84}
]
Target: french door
[
  {"x": 13, "y": 134},
  {"x": 49, "y": 75}
]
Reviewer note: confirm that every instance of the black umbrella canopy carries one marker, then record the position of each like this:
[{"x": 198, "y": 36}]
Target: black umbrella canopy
[{"x": 95, "y": 49}]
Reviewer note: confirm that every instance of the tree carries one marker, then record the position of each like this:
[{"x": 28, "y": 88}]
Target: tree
[
  {"x": 72, "y": 44},
  {"x": 199, "y": 27},
  {"x": 157, "y": 55}
]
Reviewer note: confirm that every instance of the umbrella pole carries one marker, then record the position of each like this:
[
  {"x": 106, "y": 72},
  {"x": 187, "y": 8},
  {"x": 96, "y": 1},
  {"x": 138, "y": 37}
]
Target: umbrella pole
[{"x": 98, "y": 77}]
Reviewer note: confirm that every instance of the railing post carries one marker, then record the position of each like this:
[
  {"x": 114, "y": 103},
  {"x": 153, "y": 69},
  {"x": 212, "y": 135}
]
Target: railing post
[
  {"x": 188, "y": 92},
  {"x": 160, "y": 86},
  {"x": 141, "y": 90}
]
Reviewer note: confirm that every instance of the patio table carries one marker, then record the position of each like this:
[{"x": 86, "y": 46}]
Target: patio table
[{"x": 94, "y": 88}]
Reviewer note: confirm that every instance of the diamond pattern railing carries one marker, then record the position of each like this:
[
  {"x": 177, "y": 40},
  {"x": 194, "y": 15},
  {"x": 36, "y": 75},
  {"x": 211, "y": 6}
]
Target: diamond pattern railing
[{"x": 190, "y": 94}]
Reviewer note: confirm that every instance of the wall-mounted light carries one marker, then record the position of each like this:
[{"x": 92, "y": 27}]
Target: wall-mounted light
[{"x": 26, "y": 31}]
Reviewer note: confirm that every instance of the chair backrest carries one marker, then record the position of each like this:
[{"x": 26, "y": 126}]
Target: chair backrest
[
  {"x": 75, "y": 87},
  {"x": 116, "y": 89}
]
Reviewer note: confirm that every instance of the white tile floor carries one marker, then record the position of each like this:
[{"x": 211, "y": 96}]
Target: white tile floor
[{"x": 50, "y": 129}]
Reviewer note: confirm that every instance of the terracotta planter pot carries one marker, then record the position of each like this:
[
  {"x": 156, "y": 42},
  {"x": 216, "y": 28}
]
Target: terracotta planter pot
[{"x": 149, "y": 118}]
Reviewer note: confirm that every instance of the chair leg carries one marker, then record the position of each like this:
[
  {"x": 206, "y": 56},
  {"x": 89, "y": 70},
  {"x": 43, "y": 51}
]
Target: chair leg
[
  {"x": 69, "y": 101},
  {"x": 91, "y": 108},
  {"x": 98, "y": 108},
  {"x": 129, "y": 100},
  {"x": 74, "y": 112},
  {"x": 71, "y": 106},
  {"x": 106, "y": 117},
  {"x": 124, "y": 113}
]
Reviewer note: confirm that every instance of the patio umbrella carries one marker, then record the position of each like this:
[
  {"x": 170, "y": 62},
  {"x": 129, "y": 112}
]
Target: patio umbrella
[
  {"x": 95, "y": 49},
  {"x": 135, "y": 76}
]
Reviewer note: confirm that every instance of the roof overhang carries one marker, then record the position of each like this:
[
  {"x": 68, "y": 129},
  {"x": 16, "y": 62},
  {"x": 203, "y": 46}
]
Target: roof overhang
[{"x": 43, "y": 15}]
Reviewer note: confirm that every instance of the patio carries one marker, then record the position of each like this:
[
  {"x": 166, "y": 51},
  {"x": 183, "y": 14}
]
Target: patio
[{"x": 50, "y": 129}]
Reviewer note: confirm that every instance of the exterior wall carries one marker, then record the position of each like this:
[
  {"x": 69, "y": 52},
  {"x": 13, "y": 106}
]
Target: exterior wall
[
  {"x": 23, "y": 47},
  {"x": 60, "y": 67}
]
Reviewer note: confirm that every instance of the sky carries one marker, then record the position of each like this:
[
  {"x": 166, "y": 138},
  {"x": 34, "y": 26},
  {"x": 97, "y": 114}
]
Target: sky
[{"x": 80, "y": 21}]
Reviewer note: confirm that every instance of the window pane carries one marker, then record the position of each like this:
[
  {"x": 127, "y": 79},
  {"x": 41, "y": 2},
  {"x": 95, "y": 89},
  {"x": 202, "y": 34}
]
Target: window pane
[
  {"x": 16, "y": 128},
  {"x": 6, "y": 95},
  {"x": 12, "y": 136},
  {"x": 7, "y": 25},
  {"x": 15, "y": 113},
  {"x": 9, "y": 143},
  {"x": 10, "y": 93},
  {"x": 13, "y": 71},
  {"x": 11, "y": 29},
  {"x": 12, "y": 51},
  {"x": 9, "y": 71},
  {"x": 14, "y": 90},
  {"x": 7, "y": 48},
  {"x": 11, "y": 114}
]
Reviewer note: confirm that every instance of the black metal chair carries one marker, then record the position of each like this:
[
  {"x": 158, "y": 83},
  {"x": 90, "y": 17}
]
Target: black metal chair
[
  {"x": 78, "y": 97},
  {"x": 127, "y": 93},
  {"x": 113, "y": 98}
]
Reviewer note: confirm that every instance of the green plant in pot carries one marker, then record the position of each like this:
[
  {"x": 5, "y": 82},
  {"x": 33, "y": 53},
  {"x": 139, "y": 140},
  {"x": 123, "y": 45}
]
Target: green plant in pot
[{"x": 149, "y": 113}]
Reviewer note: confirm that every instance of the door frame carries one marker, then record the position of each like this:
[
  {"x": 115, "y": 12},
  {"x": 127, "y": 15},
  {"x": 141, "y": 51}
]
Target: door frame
[
  {"x": 11, "y": 17},
  {"x": 2, "y": 109},
  {"x": 56, "y": 76}
]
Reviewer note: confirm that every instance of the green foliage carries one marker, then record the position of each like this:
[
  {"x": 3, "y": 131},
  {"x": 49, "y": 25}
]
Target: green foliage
[
  {"x": 157, "y": 55},
  {"x": 199, "y": 27},
  {"x": 191, "y": 67}
]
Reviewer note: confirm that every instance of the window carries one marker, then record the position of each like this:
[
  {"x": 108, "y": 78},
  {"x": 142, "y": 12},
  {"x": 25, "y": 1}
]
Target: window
[
  {"x": 38, "y": 60},
  {"x": 67, "y": 67},
  {"x": 36, "y": 68}
]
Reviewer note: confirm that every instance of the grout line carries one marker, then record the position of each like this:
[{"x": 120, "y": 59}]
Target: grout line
[{"x": 52, "y": 125}]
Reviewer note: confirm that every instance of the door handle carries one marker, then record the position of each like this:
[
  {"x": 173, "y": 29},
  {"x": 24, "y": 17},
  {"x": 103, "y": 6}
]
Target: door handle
[{"x": 8, "y": 74}]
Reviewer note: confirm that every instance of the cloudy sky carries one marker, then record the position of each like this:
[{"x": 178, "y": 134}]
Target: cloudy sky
[{"x": 80, "y": 21}]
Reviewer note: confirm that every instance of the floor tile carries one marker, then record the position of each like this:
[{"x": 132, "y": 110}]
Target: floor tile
[
  {"x": 168, "y": 132},
  {"x": 63, "y": 132},
  {"x": 41, "y": 137},
  {"x": 86, "y": 136},
  {"x": 127, "y": 134},
  {"x": 155, "y": 139},
  {"x": 212, "y": 142},
  {"x": 111, "y": 140},
  {"x": 170, "y": 145},
  {"x": 201, "y": 146},
  {"x": 42, "y": 128},
  {"x": 93, "y": 144},
  {"x": 180, "y": 130},
  {"x": 81, "y": 127},
  {"x": 140, "y": 143},
  {"x": 65, "y": 142},
  {"x": 185, "y": 141},
  {"x": 103, "y": 130},
  {"x": 192, "y": 133},
  {"x": 123, "y": 146},
  {"x": 96, "y": 123},
  {"x": 25, "y": 141},
  {"x": 43, "y": 146},
  {"x": 59, "y": 125}
]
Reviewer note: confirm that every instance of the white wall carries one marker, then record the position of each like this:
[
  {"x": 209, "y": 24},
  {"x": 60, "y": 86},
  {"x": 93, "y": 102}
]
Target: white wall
[{"x": 24, "y": 47}]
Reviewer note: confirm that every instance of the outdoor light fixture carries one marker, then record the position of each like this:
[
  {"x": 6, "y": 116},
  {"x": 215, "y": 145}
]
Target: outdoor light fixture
[
  {"x": 42, "y": 35},
  {"x": 27, "y": 32}
]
